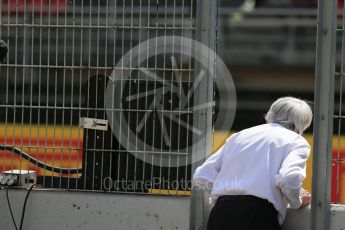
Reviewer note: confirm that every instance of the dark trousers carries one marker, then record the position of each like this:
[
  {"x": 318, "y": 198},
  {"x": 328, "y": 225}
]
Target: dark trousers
[{"x": 243, "y": 213}]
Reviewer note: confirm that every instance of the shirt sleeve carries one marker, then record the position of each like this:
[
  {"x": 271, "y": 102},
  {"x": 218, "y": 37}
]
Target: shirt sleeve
[
  {"x": 205, "y": 175},
  {"x": 293, "y": 172}
]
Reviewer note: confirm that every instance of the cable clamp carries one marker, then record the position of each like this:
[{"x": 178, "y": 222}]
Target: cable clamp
[{"x": 93, "y": 123}]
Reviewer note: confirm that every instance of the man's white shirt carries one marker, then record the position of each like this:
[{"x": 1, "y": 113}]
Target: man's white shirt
[{"x": 267, "y": 161}]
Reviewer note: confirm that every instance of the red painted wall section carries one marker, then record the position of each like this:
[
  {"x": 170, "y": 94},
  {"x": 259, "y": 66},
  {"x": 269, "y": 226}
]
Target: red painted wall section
[
  {"x": 338, "y": 176},
  {"x": 14, "y": 7}
]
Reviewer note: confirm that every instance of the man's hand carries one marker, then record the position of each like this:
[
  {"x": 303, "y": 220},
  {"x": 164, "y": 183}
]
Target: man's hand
[{"x": 305, "y": 197}]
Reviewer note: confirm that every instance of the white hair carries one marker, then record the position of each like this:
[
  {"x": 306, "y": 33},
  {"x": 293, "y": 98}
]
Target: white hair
[{"x": 290, "y": 112}]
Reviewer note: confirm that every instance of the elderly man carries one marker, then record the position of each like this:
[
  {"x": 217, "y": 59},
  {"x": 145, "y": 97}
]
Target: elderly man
[{"x": 259, "y": 171}]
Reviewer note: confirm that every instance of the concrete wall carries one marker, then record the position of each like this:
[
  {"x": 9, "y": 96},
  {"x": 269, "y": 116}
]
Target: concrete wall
[
  {"x": 50, "y": 210},
  {"x": 300, "y": 218},
  {"x": 85, "y": 210}
]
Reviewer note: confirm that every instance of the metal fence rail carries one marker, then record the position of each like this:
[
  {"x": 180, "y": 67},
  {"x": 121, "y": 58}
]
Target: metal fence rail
[
  {"x": 54, "y": 118},
  {"x": 328, "y": 114}
]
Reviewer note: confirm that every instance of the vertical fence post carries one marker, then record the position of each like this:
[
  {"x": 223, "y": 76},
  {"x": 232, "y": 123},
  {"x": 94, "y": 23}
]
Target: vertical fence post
[
  {"x": 206, "y": 22},
  {"x": 323, "y": 113}
]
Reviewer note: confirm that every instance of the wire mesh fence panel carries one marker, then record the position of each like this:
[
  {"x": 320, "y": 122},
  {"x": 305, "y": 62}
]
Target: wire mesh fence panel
[
  {"x": 338, "y": 154},
  {"x": 88, "y": 104}
]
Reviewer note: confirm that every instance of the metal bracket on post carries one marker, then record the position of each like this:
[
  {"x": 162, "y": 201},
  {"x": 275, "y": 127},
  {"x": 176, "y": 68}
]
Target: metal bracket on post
[
  {"x": 206, "y": 24},
  {"x": 93, "y": 123},
  {"x": 323, "y": 113}
]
